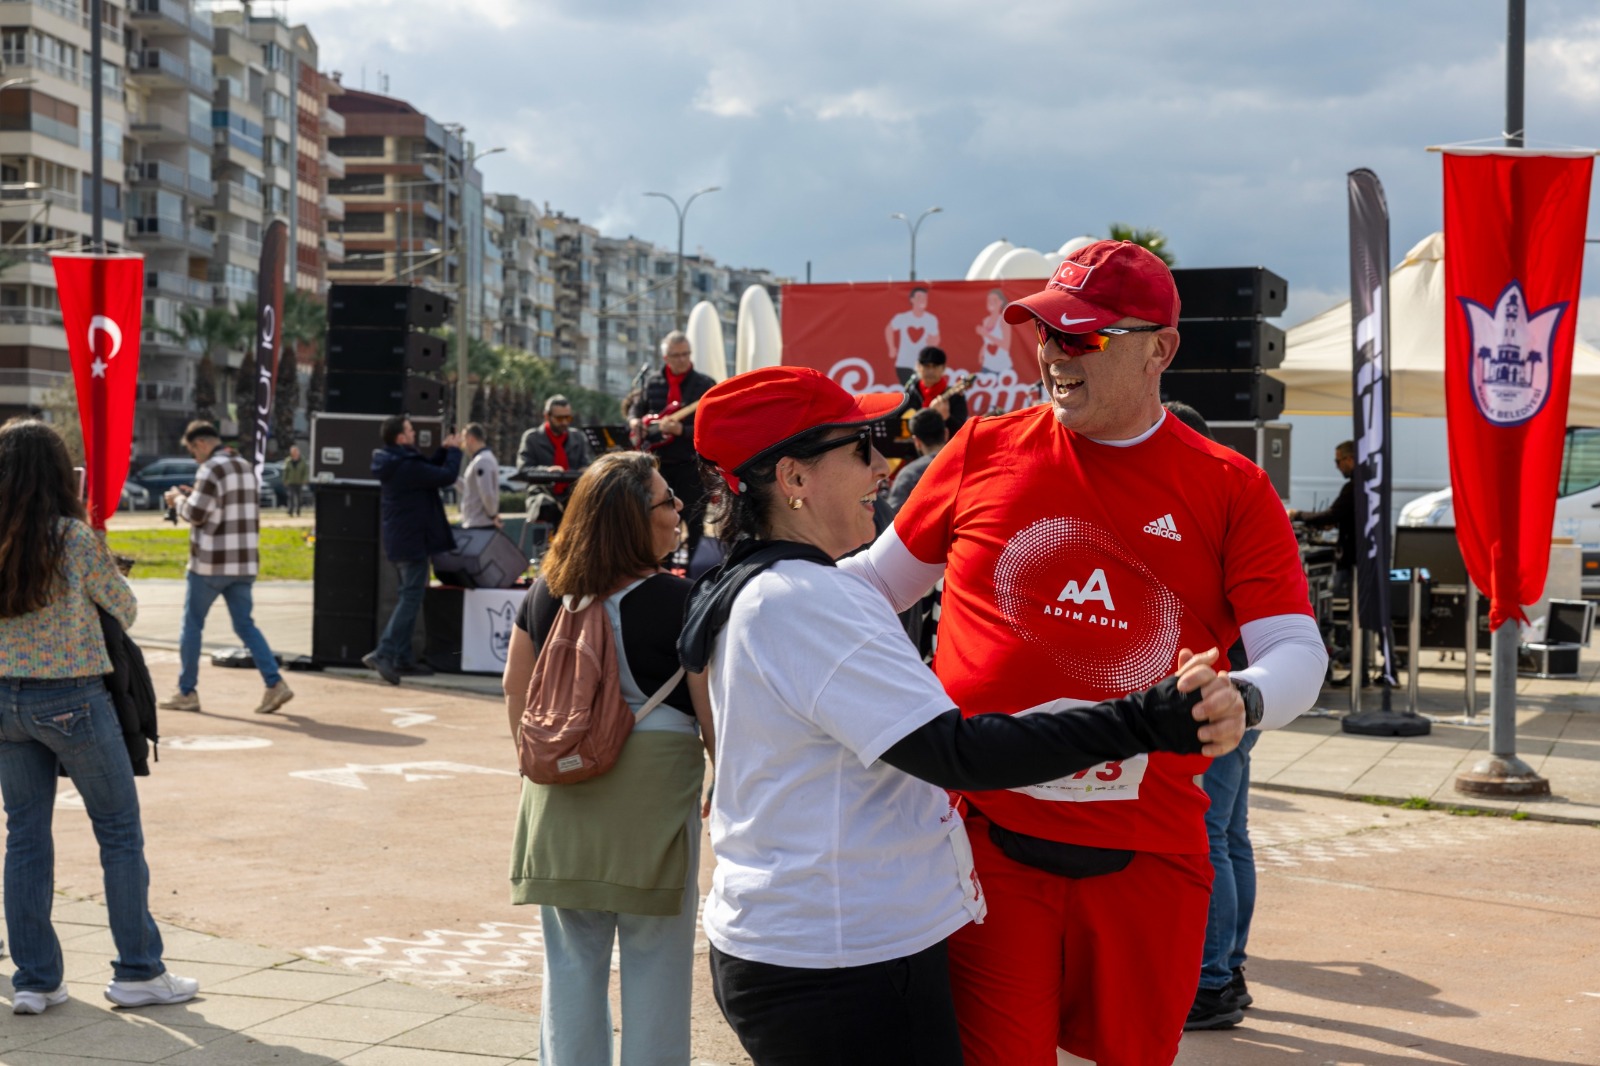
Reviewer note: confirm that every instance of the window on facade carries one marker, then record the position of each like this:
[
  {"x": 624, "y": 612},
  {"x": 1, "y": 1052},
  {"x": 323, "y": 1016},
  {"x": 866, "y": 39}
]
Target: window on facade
[
  {"x": 275, "y": 104},
  {"x": 366, "y": 222},
  {"x": 274, "y": 54},
  {"x": 1580, "y": 466}
]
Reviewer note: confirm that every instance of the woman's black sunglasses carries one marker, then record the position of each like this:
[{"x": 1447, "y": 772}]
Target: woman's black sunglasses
[{"x": 861, "y": 438}]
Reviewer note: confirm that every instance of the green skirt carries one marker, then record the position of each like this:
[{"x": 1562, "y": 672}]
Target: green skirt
[{"x": 617, "y": 842}]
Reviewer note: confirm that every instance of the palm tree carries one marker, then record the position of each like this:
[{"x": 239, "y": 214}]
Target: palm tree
[
  {"x": 1152, "y": 239},
  {"x": 210, "y": 330}
]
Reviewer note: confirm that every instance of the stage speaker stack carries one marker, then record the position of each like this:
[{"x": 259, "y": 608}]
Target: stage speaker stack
[
  {"x": 1222, "y": 365},
  {"x": 353, "y": 590},
  {"x": 379, "y": 360}
]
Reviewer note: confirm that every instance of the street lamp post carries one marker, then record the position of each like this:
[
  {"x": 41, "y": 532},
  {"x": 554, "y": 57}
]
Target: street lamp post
[
  {"x": 682, "y": 212},
  {"x": 913, "y": 227}
]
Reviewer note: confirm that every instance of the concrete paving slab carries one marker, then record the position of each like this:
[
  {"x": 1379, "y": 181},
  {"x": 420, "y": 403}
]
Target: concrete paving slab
[
  {"x": 125, "y": 1040},
  {"x": 402, "y": 1056},
  {"x": 240, "y": 1049},
  {"x": 293, "y": 984},
  {"x": 478, "y": 1036},
  {"x": 365, "y": 1025}
]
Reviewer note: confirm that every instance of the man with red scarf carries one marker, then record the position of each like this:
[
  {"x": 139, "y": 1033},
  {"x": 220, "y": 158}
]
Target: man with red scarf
[
  {"x": 930, "y": 390},
  {"x": 674, "y": 388},
  {"x": 549, "y": 448}
]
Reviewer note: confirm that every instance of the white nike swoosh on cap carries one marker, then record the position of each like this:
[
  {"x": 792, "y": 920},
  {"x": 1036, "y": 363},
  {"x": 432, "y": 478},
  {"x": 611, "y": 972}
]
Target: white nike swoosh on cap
[{"x": 1065, "y": 321}]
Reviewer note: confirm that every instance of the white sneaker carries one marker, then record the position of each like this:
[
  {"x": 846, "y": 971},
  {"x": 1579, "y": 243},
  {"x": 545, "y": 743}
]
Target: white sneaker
[
  {"x": 179, "y": 702},
  {"x": 275, "y": 697},
  {"x": 23, "y": 1002},
  {"x": 163, "y": 989}
]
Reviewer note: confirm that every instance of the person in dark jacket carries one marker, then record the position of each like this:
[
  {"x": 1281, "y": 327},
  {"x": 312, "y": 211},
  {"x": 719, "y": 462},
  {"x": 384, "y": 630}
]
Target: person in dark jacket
[
  {"x": 547, "y": 448},
  {"x": 675, "y": 388},
  {"x": 414, "y": 528}
]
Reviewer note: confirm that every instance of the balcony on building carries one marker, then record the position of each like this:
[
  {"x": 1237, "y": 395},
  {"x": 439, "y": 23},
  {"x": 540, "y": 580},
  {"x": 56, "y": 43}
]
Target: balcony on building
[
  {"x": 237, "y": 247},
  {"x": 332, "y": 208},
  {"x": 157, "y": 16},
  {"x": 235, "y": 199},
  {"x": 156, "y": 173},
  {"x": 171, "y": 233},
  {"x": 332, "y": 122},
  {"x": 178, "y": 286},
  {"x": 160, "y": 68},
  {"x": 158, "y": 124},
  {"x": 333, "y": 248},
  {"x": 332, "y": 165}
]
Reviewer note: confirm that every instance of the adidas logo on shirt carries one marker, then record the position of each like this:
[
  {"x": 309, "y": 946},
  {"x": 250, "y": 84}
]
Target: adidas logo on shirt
[{"x": 1163, "y": 527}]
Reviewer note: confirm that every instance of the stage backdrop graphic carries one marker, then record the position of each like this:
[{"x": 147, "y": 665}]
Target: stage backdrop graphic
[
  {"x": 1513, "y": 255},
  {"x": 1369, "y": 310},
  {"x": 268, "y": 337},
  {"x": 857, "y": 334},
  {"x": 102, "y": 308}
]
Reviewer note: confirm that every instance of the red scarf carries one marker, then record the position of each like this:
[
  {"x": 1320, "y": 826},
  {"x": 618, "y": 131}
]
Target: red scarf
[
  {"x": 675, "y": 385},
  {"x": 558, "y": 446},
  {"x": 931, "y": 392}
]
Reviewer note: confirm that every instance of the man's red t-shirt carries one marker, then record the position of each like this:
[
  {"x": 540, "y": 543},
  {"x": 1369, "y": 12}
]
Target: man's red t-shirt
[{"x": 1077, "y": 569}]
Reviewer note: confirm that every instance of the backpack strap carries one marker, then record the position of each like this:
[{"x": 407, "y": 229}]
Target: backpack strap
[{"x": 660, "y": 695}]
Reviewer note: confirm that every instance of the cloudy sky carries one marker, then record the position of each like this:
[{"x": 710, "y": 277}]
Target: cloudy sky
[{"x": 1229, "y": 124}]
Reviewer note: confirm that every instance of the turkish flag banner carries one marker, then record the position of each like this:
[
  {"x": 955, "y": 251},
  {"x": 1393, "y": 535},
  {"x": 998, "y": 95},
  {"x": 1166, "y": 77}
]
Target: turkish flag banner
[
  {"x": 1513, "y": 241},
  {"x": 102, "y": 306}
]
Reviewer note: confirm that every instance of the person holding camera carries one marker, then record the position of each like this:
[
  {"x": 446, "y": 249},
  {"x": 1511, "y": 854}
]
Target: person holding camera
[{"x": 223, "y": 512}]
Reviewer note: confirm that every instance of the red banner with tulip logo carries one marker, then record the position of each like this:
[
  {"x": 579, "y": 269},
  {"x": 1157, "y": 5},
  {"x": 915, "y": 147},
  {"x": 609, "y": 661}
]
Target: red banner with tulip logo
[
  {"x": 867, "y": 336},
  {"x": 102, "y": 306},
  {"x": 1513, "y": 239}
]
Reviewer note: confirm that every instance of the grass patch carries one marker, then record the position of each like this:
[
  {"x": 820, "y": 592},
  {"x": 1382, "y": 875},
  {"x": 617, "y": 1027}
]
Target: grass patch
[{"x": 285, "y": 553}]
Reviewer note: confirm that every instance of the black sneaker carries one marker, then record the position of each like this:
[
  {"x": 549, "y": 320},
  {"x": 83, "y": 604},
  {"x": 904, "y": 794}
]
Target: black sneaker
[
  {"x": 1241, "y": 991},
  {"x": 414, "y": 670},
  {"x": 1214, "y": 1008},
  {"x": 373, "y": 661}
]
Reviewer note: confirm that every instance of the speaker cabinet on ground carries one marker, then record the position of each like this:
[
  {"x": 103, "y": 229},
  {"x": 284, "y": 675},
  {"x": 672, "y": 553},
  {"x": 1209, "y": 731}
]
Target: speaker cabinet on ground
[
  {"x": 1225, "y": 396},
  {"x": 387, "y": 350},
  {"x": 1266, "y": 444},
  {"x": 353, "y": 588},
  {"x": 342, "y": 444},
  {"x": 392, "y": 392},
  {"x": 1227, "y": 344},
  {"x": 1230, "y": 292},
  {"x": 386, "y": 307}
]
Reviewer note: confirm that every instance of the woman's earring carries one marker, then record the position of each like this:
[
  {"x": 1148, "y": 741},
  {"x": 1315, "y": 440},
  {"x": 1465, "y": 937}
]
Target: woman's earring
[{"x": 796, "y": 503}]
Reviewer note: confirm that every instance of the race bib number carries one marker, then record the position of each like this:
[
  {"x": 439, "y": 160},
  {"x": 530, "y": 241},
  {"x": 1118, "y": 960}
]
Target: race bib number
[{"x": 1117, "y": 780}]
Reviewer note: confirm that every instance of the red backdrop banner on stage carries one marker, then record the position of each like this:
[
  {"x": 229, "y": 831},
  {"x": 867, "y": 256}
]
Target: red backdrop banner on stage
[
  {"x": 859, "y": 334},
  {"x": 1513, "y": 242},
  {"x": 102, "y": 307}
]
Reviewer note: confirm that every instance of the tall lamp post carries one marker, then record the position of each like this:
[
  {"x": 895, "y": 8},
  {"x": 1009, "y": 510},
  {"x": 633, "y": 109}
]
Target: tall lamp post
[
  {"x": 463, "y": 290},
  {"x": 682, "y": 212},
  {"x": 913, "y": 227}
]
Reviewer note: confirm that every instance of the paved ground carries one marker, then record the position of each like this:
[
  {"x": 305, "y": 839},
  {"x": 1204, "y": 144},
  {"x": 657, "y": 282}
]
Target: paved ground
[{"x": 336, "y": 877}]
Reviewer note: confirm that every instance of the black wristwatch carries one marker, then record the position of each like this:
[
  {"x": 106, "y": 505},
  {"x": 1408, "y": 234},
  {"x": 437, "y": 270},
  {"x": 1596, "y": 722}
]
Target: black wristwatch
[{"x": 1253, "y": 707}]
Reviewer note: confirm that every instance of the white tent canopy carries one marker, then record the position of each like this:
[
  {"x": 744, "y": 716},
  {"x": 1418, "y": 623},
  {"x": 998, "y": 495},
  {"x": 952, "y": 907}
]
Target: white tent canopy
[{"x": 1317, "y": 366}]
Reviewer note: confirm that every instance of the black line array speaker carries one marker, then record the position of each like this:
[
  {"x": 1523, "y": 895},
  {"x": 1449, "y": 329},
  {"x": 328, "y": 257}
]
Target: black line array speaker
[
  {"x": 378, "y": 360},
  {"x": 386, "y": 307},
  {"x": 1225, "y": 395},
  {"x": 390, "y": 392},
  {"x": 375, "y": 350},
  {"x": 342, "y": 444},
  {"x": 353, "y": 589},
  {"x": 1228, "y": 344},
  {"x": 1230, "y": 292}
]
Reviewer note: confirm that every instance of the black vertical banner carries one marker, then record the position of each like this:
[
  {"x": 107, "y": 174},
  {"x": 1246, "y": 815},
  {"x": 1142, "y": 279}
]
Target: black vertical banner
[
  {"x": 269, "y": 337},
  {"x": 1369, "y": 311}
]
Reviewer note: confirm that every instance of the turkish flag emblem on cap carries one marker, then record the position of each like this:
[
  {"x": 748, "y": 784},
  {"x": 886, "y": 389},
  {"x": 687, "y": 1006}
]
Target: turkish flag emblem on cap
[{"x": 1072, "y": 275}]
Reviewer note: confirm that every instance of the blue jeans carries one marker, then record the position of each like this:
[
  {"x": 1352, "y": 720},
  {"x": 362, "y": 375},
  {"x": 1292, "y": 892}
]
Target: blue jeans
[
  {"x": 202, "y": 592},
  {"x": 1233, "y": 891},
  {"x": 395, "y": 644},
  {"x": 70, "y": 722}
]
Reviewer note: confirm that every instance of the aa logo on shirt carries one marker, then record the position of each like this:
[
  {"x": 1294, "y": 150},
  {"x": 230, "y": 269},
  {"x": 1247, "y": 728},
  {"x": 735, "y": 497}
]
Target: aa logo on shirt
[{"x": 1093, "y": 589}]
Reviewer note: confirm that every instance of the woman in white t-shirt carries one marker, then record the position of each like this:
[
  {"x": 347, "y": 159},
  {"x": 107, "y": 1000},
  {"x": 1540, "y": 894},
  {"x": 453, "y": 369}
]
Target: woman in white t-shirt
[{"x": 841, "y": 866}]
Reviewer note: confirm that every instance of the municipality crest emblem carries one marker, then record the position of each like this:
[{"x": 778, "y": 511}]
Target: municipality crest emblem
[{"x": 1510, "y": 376}]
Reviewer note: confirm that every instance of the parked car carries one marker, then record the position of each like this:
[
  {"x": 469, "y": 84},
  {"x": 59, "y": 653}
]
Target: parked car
[
  {"x": 135, "y": 497},
  {"x": 1577, "y": 503},
  {"x": 273, "y": 494},
  {"x": 164, "y": 474}
]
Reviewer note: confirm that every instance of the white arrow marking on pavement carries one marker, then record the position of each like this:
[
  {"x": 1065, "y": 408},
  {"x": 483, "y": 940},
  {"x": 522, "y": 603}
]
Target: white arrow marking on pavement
[
  {"x": 349, "y": 775},
  {"x": 406, "y": 717},
  {"x": 68, "y": 797},
  {"x": 216, "y": 742}
]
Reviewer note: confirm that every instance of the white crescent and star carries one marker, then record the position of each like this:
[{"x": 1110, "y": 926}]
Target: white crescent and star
[{"x": 109, "y": 327}]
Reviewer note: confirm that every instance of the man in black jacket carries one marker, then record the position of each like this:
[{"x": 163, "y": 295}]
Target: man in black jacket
[
  {"x": 1341, "y": 514},
  {"x": 414, "y": 528},
  {"x": 549, "y": 447},
  {"x": 670, "y": 394}
]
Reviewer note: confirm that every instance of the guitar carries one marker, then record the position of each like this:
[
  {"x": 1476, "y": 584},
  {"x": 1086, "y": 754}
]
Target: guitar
[{"x": 649, "y": 438}]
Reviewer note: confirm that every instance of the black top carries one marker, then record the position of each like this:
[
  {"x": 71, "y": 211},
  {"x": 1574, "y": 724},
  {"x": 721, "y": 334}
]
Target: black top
[
  {"x": 653, "y": 400},
  {"x": 652, "y": 616},
  {"x": 1342, "y": 514}
]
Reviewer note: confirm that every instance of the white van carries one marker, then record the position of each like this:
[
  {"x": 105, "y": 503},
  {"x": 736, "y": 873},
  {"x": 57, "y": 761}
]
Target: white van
[{"x": 1577, "y": 503}]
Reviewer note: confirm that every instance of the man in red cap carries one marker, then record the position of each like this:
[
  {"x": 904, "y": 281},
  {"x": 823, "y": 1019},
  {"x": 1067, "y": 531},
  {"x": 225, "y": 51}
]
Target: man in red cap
[{"x": 1083, "y": 543}]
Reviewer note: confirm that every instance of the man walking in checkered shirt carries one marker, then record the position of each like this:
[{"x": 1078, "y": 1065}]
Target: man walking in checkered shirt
[{"x": 225, "y": 533}]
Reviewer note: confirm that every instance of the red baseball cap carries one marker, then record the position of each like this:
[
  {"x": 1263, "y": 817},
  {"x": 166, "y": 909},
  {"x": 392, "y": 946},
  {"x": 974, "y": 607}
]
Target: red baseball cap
[
  {"x": 755, "y": 412},
  {"x": 1099, "y": 284}
]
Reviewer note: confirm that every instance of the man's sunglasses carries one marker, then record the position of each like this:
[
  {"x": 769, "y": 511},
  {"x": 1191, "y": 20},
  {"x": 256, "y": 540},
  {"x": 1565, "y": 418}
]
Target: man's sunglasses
[
  {"x": 861, "y": 438},
  {"x": 1075, "y": 344}
]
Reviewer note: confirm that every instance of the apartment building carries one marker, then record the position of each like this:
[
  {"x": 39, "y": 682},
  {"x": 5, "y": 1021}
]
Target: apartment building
[
  {"x": 486, "y": 317},
  {"x": 636, "y": 281},
  {"x": 45, "y": 184},
  {"x": 402, "y": 198},
  {"x": 577, "y": 298},
  {"x": 528, "y": 300}
]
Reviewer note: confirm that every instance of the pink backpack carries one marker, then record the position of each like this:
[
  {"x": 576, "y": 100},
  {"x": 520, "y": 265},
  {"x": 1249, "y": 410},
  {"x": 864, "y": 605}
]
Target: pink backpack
[{"x": 576, "y": 720}]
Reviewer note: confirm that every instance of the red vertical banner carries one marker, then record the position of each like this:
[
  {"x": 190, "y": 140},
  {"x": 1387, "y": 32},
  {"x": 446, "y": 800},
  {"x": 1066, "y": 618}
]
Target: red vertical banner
[
  {"x": 1513, "y": 239},
  {"x": 102, "y": 307}
]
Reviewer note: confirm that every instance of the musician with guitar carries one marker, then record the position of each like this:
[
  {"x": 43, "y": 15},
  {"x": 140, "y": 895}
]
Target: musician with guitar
[
  {"x": 662, "y": 420},
  {"x": 932, "y": 389},
  {"x": 550, "y": 448}
]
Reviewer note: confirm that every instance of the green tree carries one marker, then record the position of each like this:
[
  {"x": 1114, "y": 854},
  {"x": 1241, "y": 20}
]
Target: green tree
[
  {"x": 286, "y": 398},
  {"x": 205, "y": 389},
  {"x": 1152, "y": 239},
  {"x": 210, "y": 331}
]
